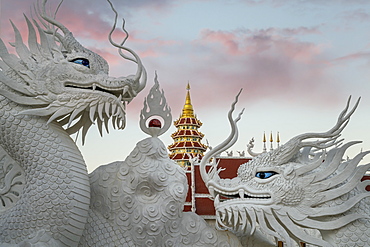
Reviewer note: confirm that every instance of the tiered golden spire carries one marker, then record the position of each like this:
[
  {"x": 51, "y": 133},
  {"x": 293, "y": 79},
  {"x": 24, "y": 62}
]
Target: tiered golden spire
[
  {"x": 187, "y": 111},
  {"x": 187, "y": 138}
]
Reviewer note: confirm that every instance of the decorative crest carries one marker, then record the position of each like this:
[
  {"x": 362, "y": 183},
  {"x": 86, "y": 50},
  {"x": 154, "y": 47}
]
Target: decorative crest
[{"x": 155, "y": 117}]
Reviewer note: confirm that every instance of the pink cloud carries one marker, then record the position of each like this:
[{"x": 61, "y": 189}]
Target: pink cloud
[
  {"x": 354, "y": 56},
  {"x": 227, "y": 39},
  {"x": 266, "y": 63}
]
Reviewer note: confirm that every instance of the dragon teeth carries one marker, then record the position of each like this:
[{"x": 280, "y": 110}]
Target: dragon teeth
[
  {"x": 114, "y": 121},
  {"x": 114, "y": 107},
  {"x": 243, "y": 215},
  {"x": 100, "y": 111},
  {"x": 241, "y": 193},
  {"x": 223, "y": 215},
  {"x": 120, "y": 123},
  {"x": 217, "y": 200},
  {"x": 107, "y": 108},
  {"x": 236, "y": 216},
  {"x": 229, "y": 216},
  {"x": 92, "y": 113},
  {"x": 124, "y": 90},
  {"x": 211, "y": 190}
]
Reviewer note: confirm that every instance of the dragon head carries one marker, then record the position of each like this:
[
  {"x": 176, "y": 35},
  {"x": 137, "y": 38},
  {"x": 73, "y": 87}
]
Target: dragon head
[
  {"x": 56, "y": 77},
  {"x": 291, "y": 188}
]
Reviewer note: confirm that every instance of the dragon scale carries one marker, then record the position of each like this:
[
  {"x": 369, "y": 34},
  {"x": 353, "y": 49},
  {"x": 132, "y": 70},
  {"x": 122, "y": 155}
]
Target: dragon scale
[{"x": 56, "y": 184}]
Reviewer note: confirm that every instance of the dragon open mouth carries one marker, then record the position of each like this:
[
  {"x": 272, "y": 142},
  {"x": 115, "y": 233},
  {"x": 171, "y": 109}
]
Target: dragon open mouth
[
  {"x": 241, "y": 195},
  {"x": 234, "y": 208},
  {"x": 122, "y": 93},
  {"x": 246, "y": 196}
]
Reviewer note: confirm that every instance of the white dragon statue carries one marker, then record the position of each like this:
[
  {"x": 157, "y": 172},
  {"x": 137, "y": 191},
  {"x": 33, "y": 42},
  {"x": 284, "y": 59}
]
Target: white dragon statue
[
  {"x": 48, "y": 90},
  {"x": 289, "y": 193},
  {"x": 53, "y": 88}
]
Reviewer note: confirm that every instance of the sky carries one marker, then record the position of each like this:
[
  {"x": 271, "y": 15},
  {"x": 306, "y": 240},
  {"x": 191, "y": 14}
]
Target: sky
[{"x": 297, "y": 62}]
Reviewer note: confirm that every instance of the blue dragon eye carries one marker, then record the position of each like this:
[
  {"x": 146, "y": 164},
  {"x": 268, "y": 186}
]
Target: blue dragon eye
[
  {"x": 82, "y": 61},
  {"x": 265, "y": 175}
]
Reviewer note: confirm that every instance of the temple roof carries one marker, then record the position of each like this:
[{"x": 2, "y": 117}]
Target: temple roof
[
  {"x": 189, "y": 133},
  {"x": 188, "y": 121},
  {"x": 182, "y": 156},
  {"x": 187, "y": 144}
]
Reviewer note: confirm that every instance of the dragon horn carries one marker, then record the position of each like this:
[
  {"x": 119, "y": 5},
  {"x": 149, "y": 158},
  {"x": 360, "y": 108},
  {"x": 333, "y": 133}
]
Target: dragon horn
[
  {"x": 68, "y": 41},
  {"x": 230, "y": 140},
  {"x": 329, "y": 137},
  {"x": 141, "y": 76},
  {"x": 42, "y": 13}
]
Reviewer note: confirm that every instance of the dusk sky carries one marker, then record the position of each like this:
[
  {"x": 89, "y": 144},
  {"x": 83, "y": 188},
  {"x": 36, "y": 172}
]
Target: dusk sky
[{"x": 297, "y": 61}]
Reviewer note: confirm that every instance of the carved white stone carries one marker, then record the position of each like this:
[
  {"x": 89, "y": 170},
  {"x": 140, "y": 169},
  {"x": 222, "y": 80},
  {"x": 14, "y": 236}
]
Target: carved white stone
[
  {"x": 54, "y": 87},
  {"x": 50, "y": 83},
  {"x": 12, "y": 181},
  {"x": 139, "y": 202},
  {"x": 300, "y": 186},
  {"x": 44, "y": 186}
]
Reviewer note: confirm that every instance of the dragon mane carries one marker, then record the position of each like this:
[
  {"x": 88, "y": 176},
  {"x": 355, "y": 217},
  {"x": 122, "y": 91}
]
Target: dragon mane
[
  {"x": 60, "y": 79},
  {"x": 305, "y": 185}
]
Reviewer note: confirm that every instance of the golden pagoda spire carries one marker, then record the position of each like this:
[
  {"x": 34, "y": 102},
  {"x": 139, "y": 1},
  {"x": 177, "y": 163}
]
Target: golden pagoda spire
[
  {"x": 271, "y": 141},
  {"x": 187, "y": 139},
  {"x": 187, "y": 111},
  {"x": 264, "y": 142}
]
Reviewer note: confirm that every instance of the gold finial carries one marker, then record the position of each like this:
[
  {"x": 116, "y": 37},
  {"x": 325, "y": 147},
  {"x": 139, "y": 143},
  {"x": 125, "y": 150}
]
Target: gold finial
[
  {"x": 188, "y": 111},
  {"x": 188, "y": 86},
  {"x": 264, "y": 143},
  {"x": 278, "y": 137},
  {"x": 271, "y": 140}
]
